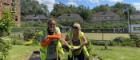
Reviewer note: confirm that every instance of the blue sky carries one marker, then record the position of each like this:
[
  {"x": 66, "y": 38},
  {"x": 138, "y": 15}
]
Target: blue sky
[{"x": 89, "y": 3}]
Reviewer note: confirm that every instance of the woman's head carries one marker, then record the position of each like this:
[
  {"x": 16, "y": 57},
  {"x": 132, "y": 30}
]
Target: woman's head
[
  {"x": 76, "y": 28},
  {"x": 51, "y": 25}
]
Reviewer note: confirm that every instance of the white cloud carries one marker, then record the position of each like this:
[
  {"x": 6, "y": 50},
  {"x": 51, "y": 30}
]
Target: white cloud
[
  {"x": 49, "y": 3},
  {"x": 115, "y": 1},
  {"x": 94, "y": 1},
  {"x": 40, "y": 1},
  {"x": 137, "y": 6},
  {"x": 98, "y": 1},
  {"x": 72, "y": 2}
]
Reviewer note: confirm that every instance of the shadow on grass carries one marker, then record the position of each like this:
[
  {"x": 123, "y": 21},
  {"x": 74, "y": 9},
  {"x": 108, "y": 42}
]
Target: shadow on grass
[
  {"x": 35, "y": 55},
  {"x": 95, "y": 57}
]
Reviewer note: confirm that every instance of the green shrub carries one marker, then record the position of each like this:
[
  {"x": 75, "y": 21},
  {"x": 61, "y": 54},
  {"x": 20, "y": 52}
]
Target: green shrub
[
  {"x": 128, "y": 42},
  {"x": 6, "y": 23},
  {"x": 17, "y": 42},
  {"x": 28, "y": 34},
  {"x": 136, "y": 39},
  {"x": 5, "y": 45},
  {"x": 89, "y": 47},
  {"x": 101, "y": 42},
  {"x": 118, "y": 41},
  {"x": 121, "y": 41}
]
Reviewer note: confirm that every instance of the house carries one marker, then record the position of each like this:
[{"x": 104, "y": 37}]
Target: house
[
  {"x": 38, "y": 18},
  {"x": 13, "y": 6},
  {"x": 105, "y": 16},
  {"x": 135, "y": 16},
  {"x": 70, "y": 17}
]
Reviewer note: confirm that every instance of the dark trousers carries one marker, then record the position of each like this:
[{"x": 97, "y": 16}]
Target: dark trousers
[
  {"x": 79, "y": 57},
  {"x": 56, "y": 58}
]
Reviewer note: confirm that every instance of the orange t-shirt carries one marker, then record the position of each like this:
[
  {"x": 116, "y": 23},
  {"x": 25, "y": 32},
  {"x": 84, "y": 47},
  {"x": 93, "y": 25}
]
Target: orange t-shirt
[{"x": 48, "y": 40}]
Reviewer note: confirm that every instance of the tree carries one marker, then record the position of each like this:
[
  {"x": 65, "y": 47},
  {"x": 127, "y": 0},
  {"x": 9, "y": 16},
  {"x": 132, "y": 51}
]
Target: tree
[
  {"x": 33, "y": 7},
  {"x": 101, "y": 8},
  {"x": 58, "y": 10},
  {"x": 120, "y": 7},
  {"x": 61, "y": 8},
  {"x": 6, "y": 23},
  {"x": 85, "y": 13}
]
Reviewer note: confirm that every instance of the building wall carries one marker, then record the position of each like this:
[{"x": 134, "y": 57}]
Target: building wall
[
  {"x": 17, "y": 12},
  {"x": 13, "y": 6},
  {"x": 0, "y": 9},
  {"x": 6, "y": 4}
]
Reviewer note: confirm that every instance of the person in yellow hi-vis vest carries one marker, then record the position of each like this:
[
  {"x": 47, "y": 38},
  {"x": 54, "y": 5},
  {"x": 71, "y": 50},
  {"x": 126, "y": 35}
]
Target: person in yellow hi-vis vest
[
  {"x": 76, "y": 42},
  {"x": 51, "y": 47}
]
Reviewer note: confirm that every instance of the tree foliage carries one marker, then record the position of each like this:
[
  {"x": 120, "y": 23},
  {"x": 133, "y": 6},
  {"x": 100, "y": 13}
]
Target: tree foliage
[
  {"x": 85, "y": 13},
  {"x": 60, "y": 9},
  {"x": 120, "y": 7},
  {"x": 4, "y": 47},
  {"x": 33, "y": 7},
  {"x": 6, "y": 22},
  {"x": 102, "y": 8}
]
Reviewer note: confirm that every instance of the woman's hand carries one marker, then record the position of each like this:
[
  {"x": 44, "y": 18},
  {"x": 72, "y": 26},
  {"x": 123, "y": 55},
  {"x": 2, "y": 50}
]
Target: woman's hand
[{"x": 76, "y": 47}]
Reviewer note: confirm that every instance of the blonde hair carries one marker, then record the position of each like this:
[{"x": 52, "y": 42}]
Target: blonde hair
[{"x": 77, "y": 25}]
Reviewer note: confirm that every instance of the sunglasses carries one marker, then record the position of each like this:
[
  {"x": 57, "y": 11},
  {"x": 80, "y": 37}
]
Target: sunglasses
[
  {"x": 75, "y": 27},
  {"x": 51, "y": 24}
]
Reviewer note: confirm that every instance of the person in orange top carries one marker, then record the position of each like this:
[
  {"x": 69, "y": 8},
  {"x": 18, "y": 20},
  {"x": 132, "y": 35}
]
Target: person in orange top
[{"x": 50, "y": 45}]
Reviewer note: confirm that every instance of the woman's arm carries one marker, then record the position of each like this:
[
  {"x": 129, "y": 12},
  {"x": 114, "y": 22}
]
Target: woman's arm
[
  {"x": 55, "y": 36},
  {"x": 65, "y": 41},
  {"x": 84, "y": 41}
]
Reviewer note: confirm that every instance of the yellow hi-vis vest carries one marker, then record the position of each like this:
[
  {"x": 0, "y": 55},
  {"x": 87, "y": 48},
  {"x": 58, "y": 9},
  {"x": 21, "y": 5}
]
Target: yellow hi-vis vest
[{"x": 84, "y": 49}]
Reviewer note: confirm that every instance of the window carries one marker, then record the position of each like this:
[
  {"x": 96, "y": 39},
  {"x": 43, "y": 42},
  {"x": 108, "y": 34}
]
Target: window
[
  {"x": 136, "y": 28},
  {"x": 6, "y": 2},
  {"x": 108, "y": 17},
  {"x": 103, "y": 13},
  {"x": 13, "y": 3}
]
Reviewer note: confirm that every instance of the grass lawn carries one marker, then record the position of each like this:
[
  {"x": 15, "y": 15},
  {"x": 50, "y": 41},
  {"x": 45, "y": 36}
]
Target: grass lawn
[
  {"x": 117, "y": 53},
  {"x": 20, "y": 52},
  {"x": 106, "y": 36}
]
